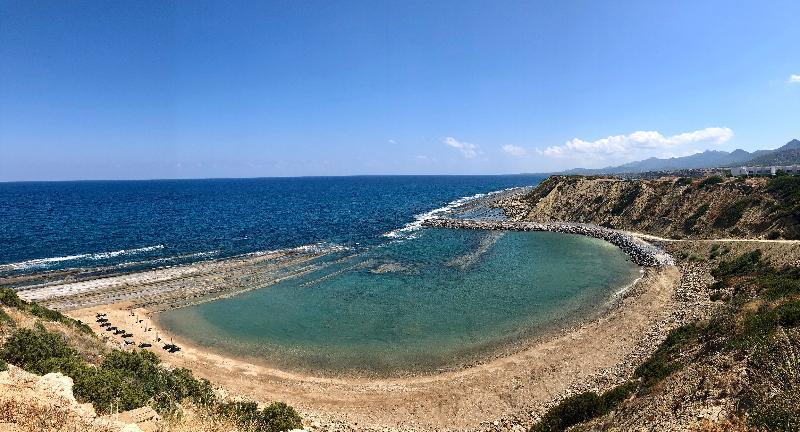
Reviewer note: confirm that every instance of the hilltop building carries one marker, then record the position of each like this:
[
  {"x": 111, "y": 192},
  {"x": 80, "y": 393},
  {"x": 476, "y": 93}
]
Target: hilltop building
[{"x": 765, "y": 170}]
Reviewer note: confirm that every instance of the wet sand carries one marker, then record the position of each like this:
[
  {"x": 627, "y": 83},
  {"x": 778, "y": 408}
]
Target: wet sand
[{"x": 512, "y": 389}]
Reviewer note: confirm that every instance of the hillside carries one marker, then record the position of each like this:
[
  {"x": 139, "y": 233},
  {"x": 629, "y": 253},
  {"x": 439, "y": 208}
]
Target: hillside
[
  {"x": 786, "y": 154},
  {"x": 56, "y": 374},
  {"x": 734, "y": 367},
  {"x": 713, "y": 207},
  {"x": 733, "y": 363}
]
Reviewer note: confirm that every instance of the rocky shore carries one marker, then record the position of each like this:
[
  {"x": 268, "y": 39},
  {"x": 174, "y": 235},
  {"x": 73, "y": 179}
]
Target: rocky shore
[{"x": 640, "y": 252}]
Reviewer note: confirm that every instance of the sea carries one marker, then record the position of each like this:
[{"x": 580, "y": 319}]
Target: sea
[
  {"x": 62, "y": 225},
  {"x": 385, "y": 296}
]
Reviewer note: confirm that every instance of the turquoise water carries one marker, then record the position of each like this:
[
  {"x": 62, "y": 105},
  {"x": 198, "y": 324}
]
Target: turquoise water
[{"x": 440, "y": 298}]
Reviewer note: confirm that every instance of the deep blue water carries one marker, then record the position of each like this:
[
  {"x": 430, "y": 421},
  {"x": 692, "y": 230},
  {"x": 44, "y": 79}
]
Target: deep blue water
[{"x": 56, "y": 225}]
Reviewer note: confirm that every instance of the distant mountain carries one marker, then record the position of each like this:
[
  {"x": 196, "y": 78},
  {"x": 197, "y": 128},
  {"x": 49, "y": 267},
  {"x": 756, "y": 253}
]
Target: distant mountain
[{"x": 787, "y": 154}]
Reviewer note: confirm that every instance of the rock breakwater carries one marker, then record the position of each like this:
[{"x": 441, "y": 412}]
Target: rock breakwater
[{"x": 640, "y": 252}]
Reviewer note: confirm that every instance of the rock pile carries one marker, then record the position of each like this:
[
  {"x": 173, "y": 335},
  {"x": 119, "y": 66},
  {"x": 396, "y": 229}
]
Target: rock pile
[{"x": 640, "y": 252}]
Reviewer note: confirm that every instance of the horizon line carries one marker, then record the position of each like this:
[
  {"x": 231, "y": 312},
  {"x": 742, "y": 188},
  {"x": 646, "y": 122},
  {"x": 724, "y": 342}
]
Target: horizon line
[{"x": 272, "y": 177}]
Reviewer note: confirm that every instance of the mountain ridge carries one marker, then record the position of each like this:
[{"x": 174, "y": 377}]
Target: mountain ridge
[{"x": 788, "y": 153}]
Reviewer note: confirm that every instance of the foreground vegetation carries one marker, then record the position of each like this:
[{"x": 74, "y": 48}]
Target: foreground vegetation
[
  {"x": 124, "y": 380},
  {"x": 758, "y": 326}
]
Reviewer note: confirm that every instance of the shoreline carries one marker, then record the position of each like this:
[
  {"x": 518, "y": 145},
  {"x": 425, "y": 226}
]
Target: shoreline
[
  {"x": 476, "y": 356},
  {"x": 519, "y": 385},
  {"x": 640, "y": 251}
]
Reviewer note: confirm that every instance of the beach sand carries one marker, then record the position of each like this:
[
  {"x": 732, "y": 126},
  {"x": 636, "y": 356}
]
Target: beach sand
[{"x": 512, "y": 389}]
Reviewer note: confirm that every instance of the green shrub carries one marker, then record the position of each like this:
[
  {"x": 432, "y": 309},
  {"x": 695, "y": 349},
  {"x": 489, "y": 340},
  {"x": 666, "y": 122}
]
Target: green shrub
[
  {"x": 683, "y": 181},
  {"x": 718, "y": 285},
  {"x": 626, "y": 200},
  {"x": 611, "y": 398},
  {"x": 3, "y": 365},
  {"x": 277, "y": 417},
  {"x": 140, "y": 366},
  {"x": 789, "y": 314},
  {"x": 166, "y": 406},
  {"x": 51, "y": 315},
  {"x": 244, "y": 414},
  {"x": 28, "y": 348},
  {"x": 709, "y": 181},
  {"x": 744, "y": 264},
  {"x": 73, "y": 367},
  {"x": 779, "y": 284},
  {"x": 663, "y": 362},
  {"x": 786, "y": 188},
  {"x": 5, "y": 320},
  {"x": 182, "y": 384},
  {"x": 772, "y": 400},
  {"x": 755, "y": 328},
  {"x": 569, "y": 412},
  {"x": 47, "y": 314},
  {"x": 730, "y": 215},
  {"x": 109, "y": 390},
  {"x": 691, "y": 221},
  {"x": 10, "y": 298}
]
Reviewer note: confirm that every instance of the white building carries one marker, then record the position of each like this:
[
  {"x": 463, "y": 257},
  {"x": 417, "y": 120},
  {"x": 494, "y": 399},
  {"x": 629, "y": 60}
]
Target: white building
[{"x": 765, "y": 170}]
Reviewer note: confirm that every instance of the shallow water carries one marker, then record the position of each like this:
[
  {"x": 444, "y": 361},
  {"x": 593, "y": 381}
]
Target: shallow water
[{"x": 439, "y": 299}]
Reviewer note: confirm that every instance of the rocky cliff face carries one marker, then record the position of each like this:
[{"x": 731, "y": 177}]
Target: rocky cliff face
[{"x": 712, "y": 207}]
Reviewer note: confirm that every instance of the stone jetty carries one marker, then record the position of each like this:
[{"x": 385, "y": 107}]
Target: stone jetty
[{"x": 640, "y": 252}]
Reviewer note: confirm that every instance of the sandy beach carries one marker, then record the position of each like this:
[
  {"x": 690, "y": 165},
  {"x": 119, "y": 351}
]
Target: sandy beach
[{"x": 512, "y": 389}]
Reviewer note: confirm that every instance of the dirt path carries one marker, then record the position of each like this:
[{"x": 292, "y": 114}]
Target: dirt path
[{"x": 593, "y": 355}]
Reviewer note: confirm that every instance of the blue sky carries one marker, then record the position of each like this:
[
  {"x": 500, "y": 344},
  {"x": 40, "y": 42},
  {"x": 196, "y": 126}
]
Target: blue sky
[{"x": 157, "y": 89}]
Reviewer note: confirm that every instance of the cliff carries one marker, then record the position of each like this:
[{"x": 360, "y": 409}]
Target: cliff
[{"x": 711, "y": 207}]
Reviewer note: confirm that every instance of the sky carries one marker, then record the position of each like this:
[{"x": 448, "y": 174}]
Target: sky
[{"x": 198, "y": 89}]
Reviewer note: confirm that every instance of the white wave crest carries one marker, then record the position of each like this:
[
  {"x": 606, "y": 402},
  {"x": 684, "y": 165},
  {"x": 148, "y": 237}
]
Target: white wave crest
[
  {"x": 47, "y": 262},
  {"x": 321, "y": 247},
  {"x": 408, "y": 229}
]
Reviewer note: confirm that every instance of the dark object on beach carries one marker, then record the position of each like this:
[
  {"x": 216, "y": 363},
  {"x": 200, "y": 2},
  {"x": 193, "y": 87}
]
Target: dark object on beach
[
  {"x": 127, "y": 335},
  {"x": 102, "y": 320},
  {"x": 111, "y": 329},
  {"x": 120, "y": 331},
  {"x": 105, "y": 324},
  {"x": 171, "y": 348},
  {"x": 128, "y": 342},
  {"x": 144, "y": 345},
  {"x": 99, "y": 315}
]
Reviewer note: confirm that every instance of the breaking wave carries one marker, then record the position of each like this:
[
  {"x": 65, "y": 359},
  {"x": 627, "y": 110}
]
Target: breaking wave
[
  {"x": 42, "y": 263},
  {"x": 408, "y": 229}
]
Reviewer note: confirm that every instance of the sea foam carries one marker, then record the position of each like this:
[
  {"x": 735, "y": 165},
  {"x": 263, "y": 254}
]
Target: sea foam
[{"x": 47, "y": 262}]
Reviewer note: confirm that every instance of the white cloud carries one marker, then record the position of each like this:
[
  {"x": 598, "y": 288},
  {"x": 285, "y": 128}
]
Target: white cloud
[
  {"x": 514, "y": 150},
  {"x": 391, "y": 141},
  {"x": 794, "y": 78},
  {"x": 467, "y": 150},
  {"x": 628, "y": 145}
]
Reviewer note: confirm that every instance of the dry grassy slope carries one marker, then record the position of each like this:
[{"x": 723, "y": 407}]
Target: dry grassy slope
[
  {"x": 32, "y": 403},
  {"x": 660, "y": 207}
]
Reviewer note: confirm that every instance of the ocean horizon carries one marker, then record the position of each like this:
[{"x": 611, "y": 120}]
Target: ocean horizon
[{"x": 87, "y": 223}]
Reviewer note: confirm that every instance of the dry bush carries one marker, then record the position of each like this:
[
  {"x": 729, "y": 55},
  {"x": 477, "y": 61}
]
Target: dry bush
[{"x": 38, "y": 418}]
